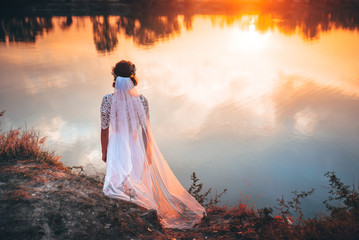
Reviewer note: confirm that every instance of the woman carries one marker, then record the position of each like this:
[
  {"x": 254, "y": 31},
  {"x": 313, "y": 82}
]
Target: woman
[{"x": 136, "y": 170}]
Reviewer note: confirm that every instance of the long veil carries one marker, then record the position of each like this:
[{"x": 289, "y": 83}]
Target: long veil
[{"x": 136, "y": 170}]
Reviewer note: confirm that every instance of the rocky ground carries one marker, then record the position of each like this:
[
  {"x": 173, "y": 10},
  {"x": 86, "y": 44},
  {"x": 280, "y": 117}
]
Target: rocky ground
[{"x": 44, "y": 201}]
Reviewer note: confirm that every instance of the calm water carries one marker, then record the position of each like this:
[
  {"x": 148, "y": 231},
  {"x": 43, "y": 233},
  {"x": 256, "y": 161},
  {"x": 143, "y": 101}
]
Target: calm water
[{"x": 256, "y": 103}]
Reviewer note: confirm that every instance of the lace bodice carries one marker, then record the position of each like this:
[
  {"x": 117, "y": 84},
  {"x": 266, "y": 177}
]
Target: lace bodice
[{"x": 106, "y": 109}]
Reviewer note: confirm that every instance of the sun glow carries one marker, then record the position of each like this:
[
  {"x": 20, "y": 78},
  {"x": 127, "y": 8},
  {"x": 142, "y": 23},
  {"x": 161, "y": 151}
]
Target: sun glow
[
  {"x": 248, "y": 39},
  {"x": 305, "y": 122}
]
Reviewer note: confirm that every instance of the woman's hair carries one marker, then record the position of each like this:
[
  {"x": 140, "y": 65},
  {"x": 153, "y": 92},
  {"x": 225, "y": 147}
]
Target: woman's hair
[{"x": 124, "y": 69}]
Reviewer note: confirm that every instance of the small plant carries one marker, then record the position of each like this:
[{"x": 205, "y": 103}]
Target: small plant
[
  {"x": 214, "y": 201},
  {"x": 196, "y": 191},
  {"x": 348, "y": 199},
  {"x": 283, "y": 207},
  {"x": 264, "y": 216},
  {"x": 295, "y": 204}
]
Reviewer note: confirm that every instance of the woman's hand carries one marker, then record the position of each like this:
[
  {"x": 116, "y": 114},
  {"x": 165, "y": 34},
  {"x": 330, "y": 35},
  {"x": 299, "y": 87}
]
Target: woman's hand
[{"x": 104, "y": 156}]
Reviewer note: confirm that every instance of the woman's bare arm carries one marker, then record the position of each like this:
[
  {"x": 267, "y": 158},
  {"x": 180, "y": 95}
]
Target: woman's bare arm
[{"x": 104, "y": 143}]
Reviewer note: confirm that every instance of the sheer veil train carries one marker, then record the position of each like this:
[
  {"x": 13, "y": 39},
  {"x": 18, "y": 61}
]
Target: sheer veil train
[{"x": 136, "y": 169}]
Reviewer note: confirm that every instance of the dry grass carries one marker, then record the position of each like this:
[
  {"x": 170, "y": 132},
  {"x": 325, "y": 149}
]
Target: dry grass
[
  {"x": 17, "y": 193},
  {"x": 19, "y": 144}
]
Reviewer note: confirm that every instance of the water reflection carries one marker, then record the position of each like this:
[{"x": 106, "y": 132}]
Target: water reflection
[
  {"x": 104, "y": 34},
  {"x": 24, "y": 29},
  {"x": 66, "y": 23},
  {"x": 304, "y": 130},
  {"x": 317, "y": 113},
  {"x": 148, "y": 29},
  {"x": 309, "y": 23}
]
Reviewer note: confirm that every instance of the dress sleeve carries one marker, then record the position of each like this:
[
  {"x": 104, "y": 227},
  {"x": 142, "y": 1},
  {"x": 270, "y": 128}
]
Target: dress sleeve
[
  {"x": 105, "y": 112},
  {"x": 145, "y": 105}
]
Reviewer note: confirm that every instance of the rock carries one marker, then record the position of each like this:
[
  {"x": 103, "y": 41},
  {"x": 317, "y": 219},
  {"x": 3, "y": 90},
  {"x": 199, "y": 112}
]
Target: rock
[{"x": 151, "y": 217}]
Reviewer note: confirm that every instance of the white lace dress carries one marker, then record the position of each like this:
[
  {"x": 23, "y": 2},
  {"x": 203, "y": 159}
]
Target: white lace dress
[
  {"x": 106, "y": 109},
  {"x": 136, "y": 171}
]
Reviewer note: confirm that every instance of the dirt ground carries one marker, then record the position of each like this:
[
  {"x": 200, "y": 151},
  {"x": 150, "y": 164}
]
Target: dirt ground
[
  {"x": 40, "y": 201},
  {"x": 47, "y": 201}
]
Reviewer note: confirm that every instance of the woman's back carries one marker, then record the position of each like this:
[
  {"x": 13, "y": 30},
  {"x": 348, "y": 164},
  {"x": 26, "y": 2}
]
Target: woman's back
[
  {"x": 136, "y": 171},
  {"x": 106, "y": 109}
]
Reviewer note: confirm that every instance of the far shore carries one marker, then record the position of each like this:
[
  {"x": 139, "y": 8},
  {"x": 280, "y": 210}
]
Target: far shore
[{"x": 160, "y": 7}]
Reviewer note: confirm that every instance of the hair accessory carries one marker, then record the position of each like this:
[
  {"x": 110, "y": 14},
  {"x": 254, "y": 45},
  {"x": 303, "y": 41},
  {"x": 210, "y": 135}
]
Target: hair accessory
[
  {"x": 133, "y": 72},
  {"x": 113, "y": 72}
]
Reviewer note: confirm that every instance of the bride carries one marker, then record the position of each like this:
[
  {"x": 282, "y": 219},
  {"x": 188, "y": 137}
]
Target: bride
[{"x": 136, "y": 170}]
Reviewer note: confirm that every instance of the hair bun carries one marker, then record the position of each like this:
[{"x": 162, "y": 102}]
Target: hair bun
[{"x": 125, "y": 69}]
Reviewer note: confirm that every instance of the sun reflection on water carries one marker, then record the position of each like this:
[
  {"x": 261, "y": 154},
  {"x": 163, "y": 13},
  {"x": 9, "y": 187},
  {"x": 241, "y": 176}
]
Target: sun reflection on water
[{"x": 249, "y": 40}]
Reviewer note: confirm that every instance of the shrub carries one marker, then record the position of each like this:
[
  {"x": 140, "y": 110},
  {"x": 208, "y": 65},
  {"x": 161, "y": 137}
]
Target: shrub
[
  {"x": 196, "y": 191},
  {"x": 346, "y": 197}
]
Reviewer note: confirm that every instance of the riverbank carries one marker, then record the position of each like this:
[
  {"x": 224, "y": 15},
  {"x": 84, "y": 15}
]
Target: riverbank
[
  {"x": 43, "y": 199},
  {"x": 40, "y": 198}
]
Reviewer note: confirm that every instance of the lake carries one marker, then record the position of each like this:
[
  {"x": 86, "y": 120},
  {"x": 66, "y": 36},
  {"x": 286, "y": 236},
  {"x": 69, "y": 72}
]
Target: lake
[{"x": 260, "y": 103}]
